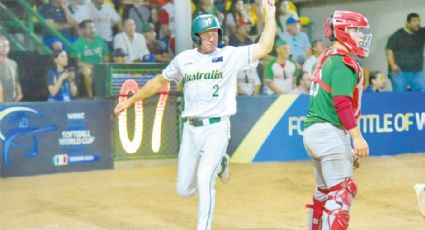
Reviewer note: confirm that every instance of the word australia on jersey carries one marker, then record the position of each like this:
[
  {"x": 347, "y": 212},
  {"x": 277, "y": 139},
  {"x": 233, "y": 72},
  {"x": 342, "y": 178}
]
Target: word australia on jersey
[
  {"x": 210, "y": 80},
  {"x": 215, "y": 74}
]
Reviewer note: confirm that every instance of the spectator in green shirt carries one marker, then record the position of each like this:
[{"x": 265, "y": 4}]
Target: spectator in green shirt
[{"x": 90, "y": 49}]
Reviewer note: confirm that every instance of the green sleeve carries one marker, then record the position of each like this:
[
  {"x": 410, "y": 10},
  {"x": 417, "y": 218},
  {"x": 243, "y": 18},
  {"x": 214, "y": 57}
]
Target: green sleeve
[
  {"x": 76, "y": 49},
  {"x": 343, "y": 81},
  {"x": 268, "y": 70},
  {"x": 105, "y": 49}
]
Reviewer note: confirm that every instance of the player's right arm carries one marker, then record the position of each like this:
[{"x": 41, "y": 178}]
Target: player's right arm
[
  {"x": 361, "y": 148},
  {"x": 151, "y": 88},
  {"x": 265, "y": 44},
  {"x": 391, "y": 61}
]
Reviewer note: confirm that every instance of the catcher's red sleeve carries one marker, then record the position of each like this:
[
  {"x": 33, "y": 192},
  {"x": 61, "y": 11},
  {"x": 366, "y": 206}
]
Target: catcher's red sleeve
[{"x": 345, "y": 112}]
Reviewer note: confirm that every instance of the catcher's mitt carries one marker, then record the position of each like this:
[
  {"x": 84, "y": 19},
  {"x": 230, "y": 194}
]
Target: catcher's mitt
[{"x": 356, "y": 162}]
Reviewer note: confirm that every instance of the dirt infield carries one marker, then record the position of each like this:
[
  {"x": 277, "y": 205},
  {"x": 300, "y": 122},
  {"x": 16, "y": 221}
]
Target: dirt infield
[{"x": 259, "y": 196}]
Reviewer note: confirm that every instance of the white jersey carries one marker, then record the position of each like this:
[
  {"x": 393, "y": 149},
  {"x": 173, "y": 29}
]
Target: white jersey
[
  {"x": 282, "y": 77},
  {"x": 135, "y": 49},
  {"x": 209, "y": 79},
  {"x": 104, "y": 18}
]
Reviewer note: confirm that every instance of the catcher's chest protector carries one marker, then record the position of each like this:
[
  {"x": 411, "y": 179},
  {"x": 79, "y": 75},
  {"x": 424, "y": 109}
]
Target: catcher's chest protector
[{"x": 351, "y": 62}]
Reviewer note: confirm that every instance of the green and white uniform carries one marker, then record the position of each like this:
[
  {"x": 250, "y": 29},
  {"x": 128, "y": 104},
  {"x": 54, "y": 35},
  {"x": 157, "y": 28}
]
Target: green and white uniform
[{"x": 210, "y": 88}]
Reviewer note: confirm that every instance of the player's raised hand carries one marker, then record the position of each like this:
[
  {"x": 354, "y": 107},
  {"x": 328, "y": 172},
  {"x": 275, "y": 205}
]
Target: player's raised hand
[
  {"x": 122, "y": 106},
  {"x": 269, "y": 8}
]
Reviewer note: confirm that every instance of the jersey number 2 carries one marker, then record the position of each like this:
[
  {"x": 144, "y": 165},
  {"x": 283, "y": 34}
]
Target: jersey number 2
[{"x": 216, "y": 88}]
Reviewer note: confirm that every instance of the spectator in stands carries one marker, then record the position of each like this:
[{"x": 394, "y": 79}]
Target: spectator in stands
[
  {"x": 317, "y": 47},
  {"x": 405, "y": 55},
  {"x": 90, "y": 50},
  {"x": 241, "y": 36},
  {"x": 118, "y": 56},
  {"x": 103, "y": 16},
  {"x": 249, "y": 83},
  {"x": 279, "y": 72},
  {"x": 39, "y": 3},
  {"x": 140, "y": 13},
  {"x": 248, "y": 80},
  {"x": 283, "y": 13},
  {"x": 156, "y": 47},
  {"x": 167, "y": 24},
  {"x": 133, "y": 43},
  {"x": 10, "y": 89},
  {"x": 297, "y": 40},
  {"x": 57, "y": 45},
  {"x": 376, "y": 82},
  {"x": 236, "y": 15},
  {"x": 302, "y": 84},
  {"x": 60, "y": 79},
  {"x": 59, "y": 16},
  {"x": 156, "y": 20},
  {"x": 208, "y": 7},
  {"x": 256, "y": 16}
]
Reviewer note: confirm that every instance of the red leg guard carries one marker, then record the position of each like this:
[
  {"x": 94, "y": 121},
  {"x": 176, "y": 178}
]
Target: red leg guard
[
  {"x": 338, "y": 204},
  {"x": 341, "y": 221},
  {"x": 317, "y": 211}
]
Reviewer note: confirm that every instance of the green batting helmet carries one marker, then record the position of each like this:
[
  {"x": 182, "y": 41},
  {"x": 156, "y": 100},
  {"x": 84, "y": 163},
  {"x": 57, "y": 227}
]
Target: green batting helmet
[{"x": 203, "y": 23}]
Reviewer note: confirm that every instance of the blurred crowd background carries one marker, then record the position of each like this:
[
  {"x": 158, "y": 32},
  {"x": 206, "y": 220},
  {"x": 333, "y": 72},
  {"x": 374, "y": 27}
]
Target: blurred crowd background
[{"x": 69, "y": 37}]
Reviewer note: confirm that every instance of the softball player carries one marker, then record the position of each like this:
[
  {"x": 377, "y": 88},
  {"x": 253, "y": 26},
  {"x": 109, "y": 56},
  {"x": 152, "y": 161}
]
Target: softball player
[
  {"x": 331, "y": 120},
  {"x": 209, "y": 75}
]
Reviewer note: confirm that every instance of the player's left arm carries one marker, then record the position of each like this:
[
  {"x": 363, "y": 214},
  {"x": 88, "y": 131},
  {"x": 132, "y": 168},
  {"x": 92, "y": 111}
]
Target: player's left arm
[
  {"x": 149, "y": 89},
  {"x": 265, "y": 44}
]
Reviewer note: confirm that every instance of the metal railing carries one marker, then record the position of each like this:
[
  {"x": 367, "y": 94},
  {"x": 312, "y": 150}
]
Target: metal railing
[{"x": 27, "y": 26}]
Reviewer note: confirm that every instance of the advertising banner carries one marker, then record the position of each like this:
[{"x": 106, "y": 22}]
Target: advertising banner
[
  {"x": 49, "y": 137},
  {"x": 392, "y": 123}
]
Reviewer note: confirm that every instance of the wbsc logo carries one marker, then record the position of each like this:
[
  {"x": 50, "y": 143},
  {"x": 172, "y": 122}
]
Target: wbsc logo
[{"x": 18, "y": 134}]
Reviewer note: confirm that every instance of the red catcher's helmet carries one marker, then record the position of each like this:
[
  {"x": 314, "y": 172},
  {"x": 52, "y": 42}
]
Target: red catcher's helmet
[{"x": 336, "y": 29}]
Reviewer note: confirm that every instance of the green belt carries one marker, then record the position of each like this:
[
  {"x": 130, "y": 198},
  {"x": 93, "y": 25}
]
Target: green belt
[{"x": 199, "y": 122}]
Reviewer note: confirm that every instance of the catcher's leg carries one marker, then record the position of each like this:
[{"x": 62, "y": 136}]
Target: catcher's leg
[
  {"x": 337, "y": 207},
  {"x": 315, "y": 211},
  {"x": 337, "y": 170}
]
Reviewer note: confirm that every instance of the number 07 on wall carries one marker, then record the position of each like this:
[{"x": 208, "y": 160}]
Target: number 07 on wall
[{"x": 131, "y": 146}]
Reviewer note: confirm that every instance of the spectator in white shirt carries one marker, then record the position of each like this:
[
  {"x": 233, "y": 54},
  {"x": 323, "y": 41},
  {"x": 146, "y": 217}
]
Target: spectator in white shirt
[
  {"x": 133, "y": 43},
  {"x": 279, "y": 74},
  {"x": 103, "y": 16},
  {"x": 248, "y": 82}
]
